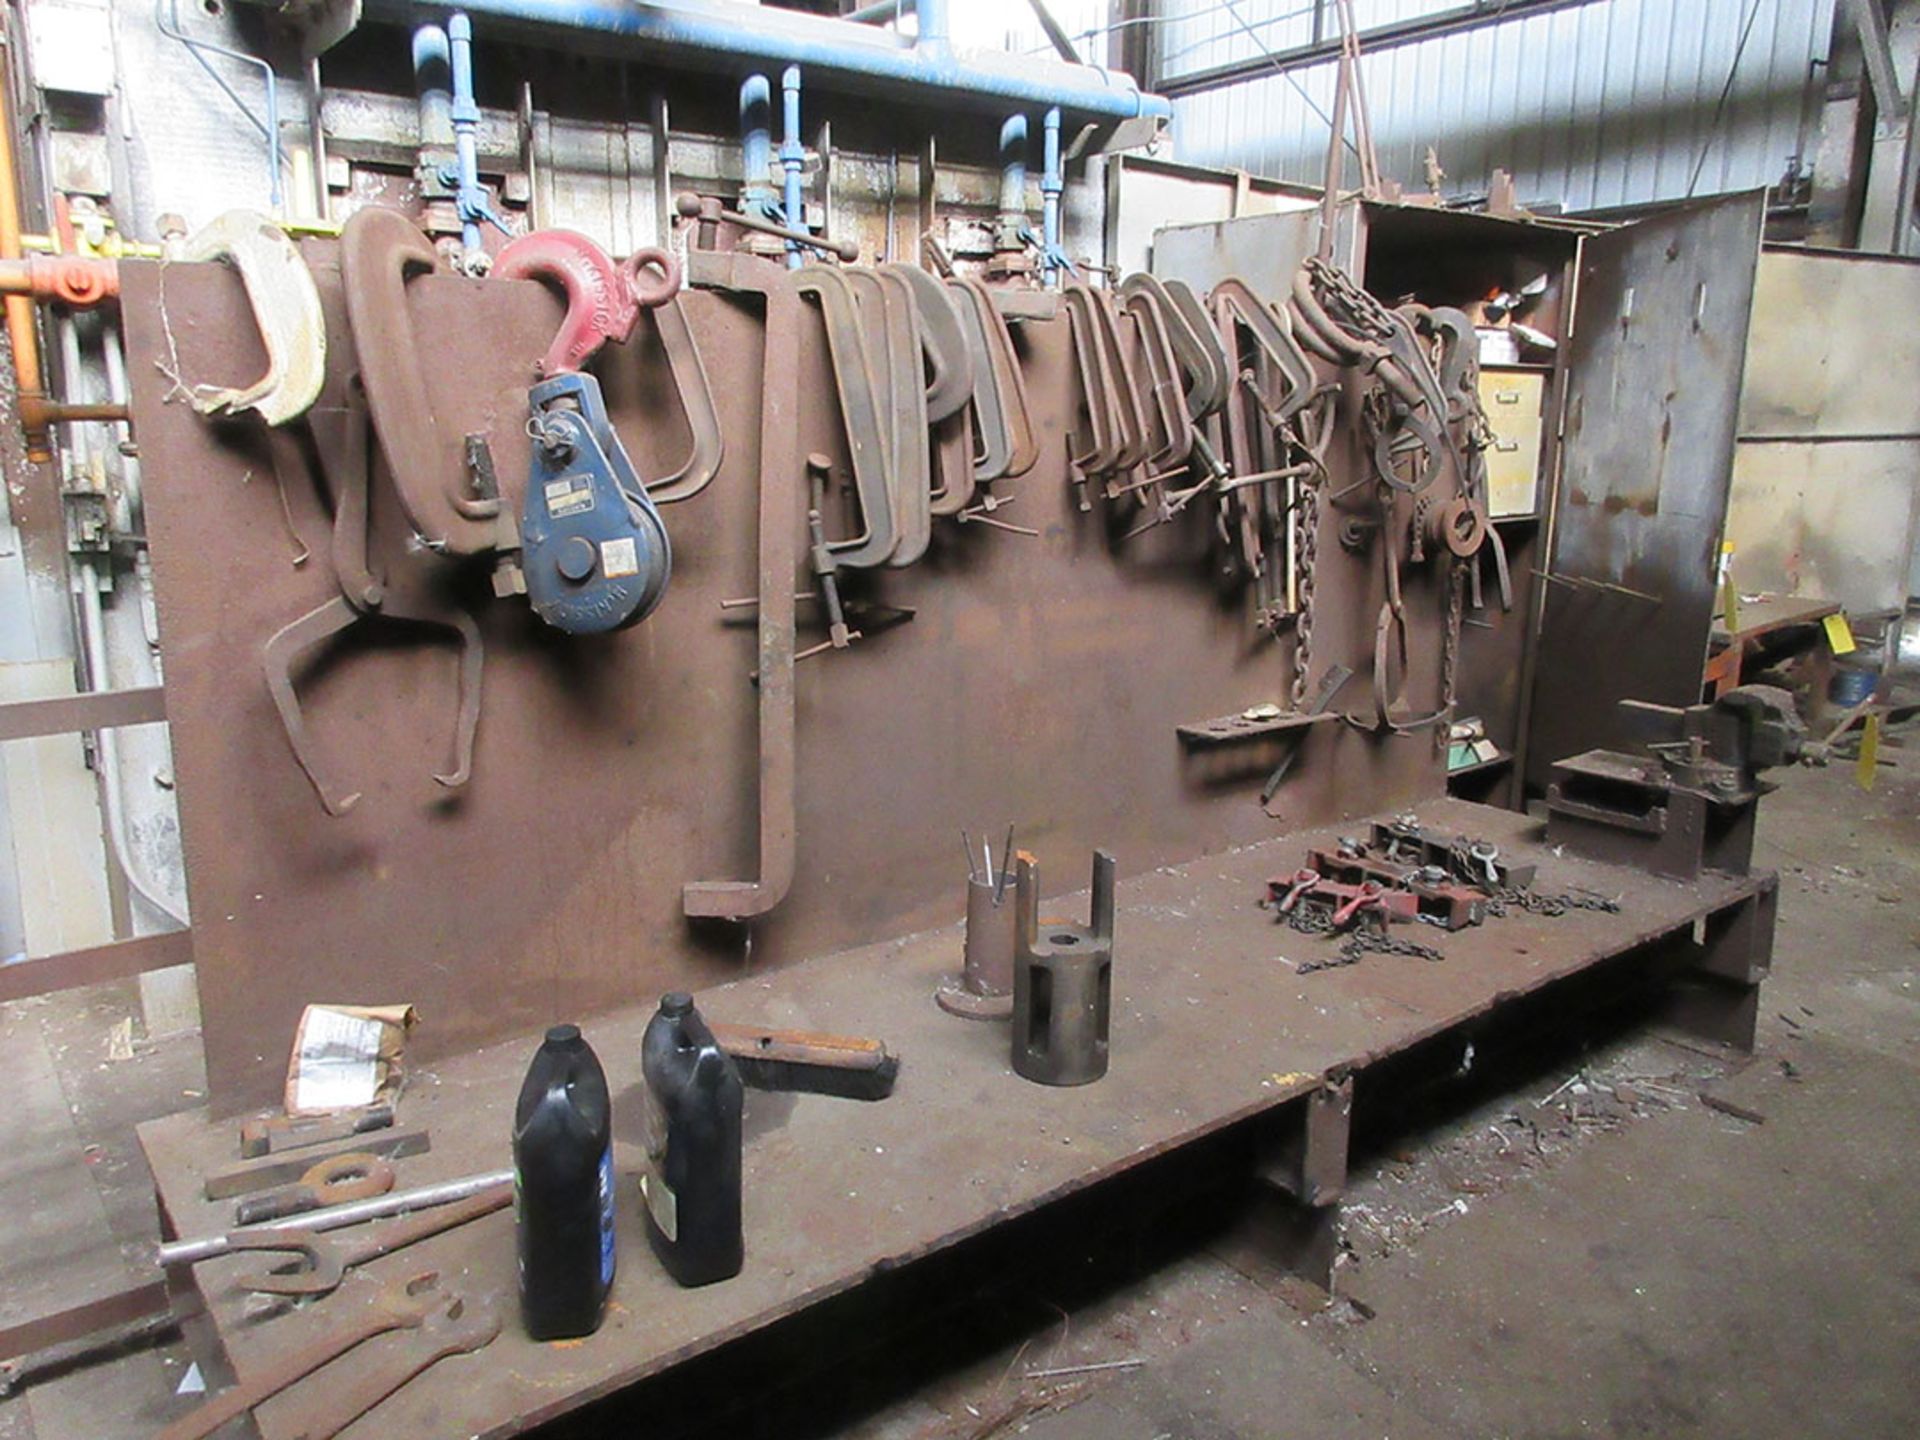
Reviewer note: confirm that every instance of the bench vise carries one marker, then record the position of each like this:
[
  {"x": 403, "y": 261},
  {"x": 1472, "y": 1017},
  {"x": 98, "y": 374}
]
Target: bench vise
[{"x": 1686, "y": 801}]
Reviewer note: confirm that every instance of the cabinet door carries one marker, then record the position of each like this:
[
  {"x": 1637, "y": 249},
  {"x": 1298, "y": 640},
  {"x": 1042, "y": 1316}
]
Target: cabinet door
[
  {"x": 1654, "y": 365},
  {"x": 1515, "y": 403}
]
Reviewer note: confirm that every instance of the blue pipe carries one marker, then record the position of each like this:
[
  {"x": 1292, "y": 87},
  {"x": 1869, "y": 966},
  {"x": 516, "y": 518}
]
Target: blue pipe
[
  {"x": 881, "y": 11},
  {"x": 433, "y": 78},
  {"x": 756, "y": 147},
  {"x": 469, "y": 199},
  {"x": 936, "y": 29},
  {"x": 793, "y": 158},
  {"x": 855, "y": 55},
  {"x": 1052, "y": 183},
  {"x": 1013, "y": 167}
]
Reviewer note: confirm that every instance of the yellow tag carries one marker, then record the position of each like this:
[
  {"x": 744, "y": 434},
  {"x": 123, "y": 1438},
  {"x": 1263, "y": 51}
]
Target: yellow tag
[
  {"x": 1869, "y": 761},
  {"x": 1839, "y": 634},
  {"x": 1730, "y": 605}
]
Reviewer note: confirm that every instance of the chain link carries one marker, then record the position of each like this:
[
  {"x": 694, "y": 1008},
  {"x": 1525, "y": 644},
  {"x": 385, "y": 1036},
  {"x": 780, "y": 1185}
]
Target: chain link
[
  {"x": 1450, "y": 651},
  {"x": 1306, "y": 546},
  {"x": 1362, "y": 942}
]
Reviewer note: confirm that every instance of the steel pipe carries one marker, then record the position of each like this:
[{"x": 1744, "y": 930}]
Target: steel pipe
[
  {"x": 793, "y": 159},
  {"x": 1052, "y": 183},
  {"x": 399, "y": 1202},
  {"x": 1013, "y": 167},
  {"x": 433, "y": 79},
  {"x": 730, "y": 38},
  {"x": 465, "y": 114},
  {"x": 756, "y": 146}
]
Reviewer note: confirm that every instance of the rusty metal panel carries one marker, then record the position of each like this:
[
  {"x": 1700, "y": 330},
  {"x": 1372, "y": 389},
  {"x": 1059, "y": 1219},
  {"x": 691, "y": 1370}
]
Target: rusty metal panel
[
  {"x": 1040, "y": 680},
  {"x": 1263, "y": 250},
  {"x": 1826, "y": 480},
  {"x": 1654, "y": 365}
]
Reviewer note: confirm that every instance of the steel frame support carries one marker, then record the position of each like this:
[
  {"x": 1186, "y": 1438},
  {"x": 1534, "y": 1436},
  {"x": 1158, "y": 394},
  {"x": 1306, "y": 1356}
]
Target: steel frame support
[{"x": 1303, "y": 1165}]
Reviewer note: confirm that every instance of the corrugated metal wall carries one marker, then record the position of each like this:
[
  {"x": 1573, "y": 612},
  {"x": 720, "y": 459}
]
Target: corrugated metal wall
[{"x": 1603, "y": 104}]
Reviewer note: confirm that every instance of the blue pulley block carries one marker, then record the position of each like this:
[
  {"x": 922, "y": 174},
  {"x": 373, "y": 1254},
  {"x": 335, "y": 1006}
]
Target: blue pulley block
[{"x": 593, "y": 545}]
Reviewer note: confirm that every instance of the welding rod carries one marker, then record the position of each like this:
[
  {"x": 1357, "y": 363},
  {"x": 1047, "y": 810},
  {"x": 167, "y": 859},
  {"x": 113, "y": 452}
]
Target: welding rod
[{"x": 399, "y": 1202}]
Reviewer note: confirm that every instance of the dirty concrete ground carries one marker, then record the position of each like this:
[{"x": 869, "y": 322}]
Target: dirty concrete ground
[{"x": 1579, "y": 1248}]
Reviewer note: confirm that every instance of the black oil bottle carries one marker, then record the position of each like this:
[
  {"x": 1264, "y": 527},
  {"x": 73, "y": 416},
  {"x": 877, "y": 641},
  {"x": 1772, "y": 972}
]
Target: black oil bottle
[
  {"x": 563, "y": 1188},
  {"x": 692, "y": 1180}
]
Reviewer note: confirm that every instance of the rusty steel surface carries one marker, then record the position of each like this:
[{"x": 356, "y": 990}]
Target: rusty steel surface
[
  {"x": 1211, "y": 1024},
  {"x": 1040, "y": 679},
  {"x": 1654, "y": 368}
]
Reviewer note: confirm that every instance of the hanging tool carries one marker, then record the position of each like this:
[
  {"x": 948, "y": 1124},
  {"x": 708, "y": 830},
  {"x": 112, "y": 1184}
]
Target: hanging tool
[
  {"x": 781, "y": 475},
  {"x": 1001, "y": 420},
  {"x": 894, "y": 350},
  {"x": 403, "y": 1305},
  {"x": 332, "y": 458},
  {"x": 594, "y": 550},
  {"x": 593, "y": 546},
  {"x": 286, "y": 306},
  {"x": 379, "y": 250},
  {"x": 333, "y": 1181},
  {"x": 310, "y": 1263},
  {"x": 341, "y": 441},
  {"x": 870, "y": 435}
]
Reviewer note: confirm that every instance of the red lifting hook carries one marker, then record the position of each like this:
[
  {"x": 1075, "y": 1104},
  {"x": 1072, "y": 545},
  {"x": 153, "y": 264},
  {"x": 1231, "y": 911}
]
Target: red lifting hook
[{"x": 604, "y": 299}]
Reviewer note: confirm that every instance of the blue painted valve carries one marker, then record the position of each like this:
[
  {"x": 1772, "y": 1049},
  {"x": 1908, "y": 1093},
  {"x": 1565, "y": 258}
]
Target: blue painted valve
[{"x": 594, "y": 548}]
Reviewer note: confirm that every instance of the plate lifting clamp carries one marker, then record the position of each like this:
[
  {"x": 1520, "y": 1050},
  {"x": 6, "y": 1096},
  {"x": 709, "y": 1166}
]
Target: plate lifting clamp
[{"x": 593, "y": 547}]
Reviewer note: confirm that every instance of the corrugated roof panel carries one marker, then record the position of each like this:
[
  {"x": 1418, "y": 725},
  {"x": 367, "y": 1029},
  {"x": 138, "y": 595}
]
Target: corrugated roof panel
[{"x": 1615, "y": 102}]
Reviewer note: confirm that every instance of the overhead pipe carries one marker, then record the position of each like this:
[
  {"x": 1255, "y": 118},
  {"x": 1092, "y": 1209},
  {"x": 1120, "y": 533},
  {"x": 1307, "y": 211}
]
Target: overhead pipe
[
  {"x": 728, "y": 37},
  {"x": 1010, "y": 230},
  {"x": 1013, "y": 167},
  {"x": 881, "y": 12},
  {"x": 469, "y": 198},
  {"x": 1052, "y": 183},
  {"x": 756, "y": 147},
  {"x": 793, "y": 159},
  {"x": 433, "y": 81},
  {"x": 935, "y": 28}
]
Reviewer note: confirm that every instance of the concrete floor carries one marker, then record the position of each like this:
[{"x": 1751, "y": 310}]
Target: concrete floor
[{"x": 1589, "y": 1252}]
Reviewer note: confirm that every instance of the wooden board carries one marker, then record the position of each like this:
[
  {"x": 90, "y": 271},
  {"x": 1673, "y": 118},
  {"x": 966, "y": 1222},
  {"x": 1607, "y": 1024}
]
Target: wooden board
[{"x": 1211, "y": 1025}]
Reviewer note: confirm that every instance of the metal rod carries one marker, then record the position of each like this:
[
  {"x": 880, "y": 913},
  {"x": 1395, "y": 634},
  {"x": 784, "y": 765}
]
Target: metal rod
[
  {"x": 1052, "y": 183},
  {"x": 465, "y": 112},
  {"x": 793, "y": 159},
  {"x": 399, "y": 1202}
]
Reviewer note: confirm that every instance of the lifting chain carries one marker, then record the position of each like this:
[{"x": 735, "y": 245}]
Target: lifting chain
[
  {"x": 1550, "y": 906},
  {"x": 1363, "y": 942},
  {"x": 1306, "y": 546},
  {"x": 1450, "y": 651}
]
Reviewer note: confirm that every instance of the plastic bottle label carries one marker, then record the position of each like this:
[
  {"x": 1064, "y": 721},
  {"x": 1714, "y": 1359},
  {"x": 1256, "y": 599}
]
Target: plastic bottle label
[
  {"x": 606, "y": 1215},
  {"x": 662, "y": 1204}
]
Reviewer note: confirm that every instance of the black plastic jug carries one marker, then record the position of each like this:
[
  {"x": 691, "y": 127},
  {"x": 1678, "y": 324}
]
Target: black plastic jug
[
  {"x": 563, "y": 1188},
  {"x": 692, "y": 1179}
]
